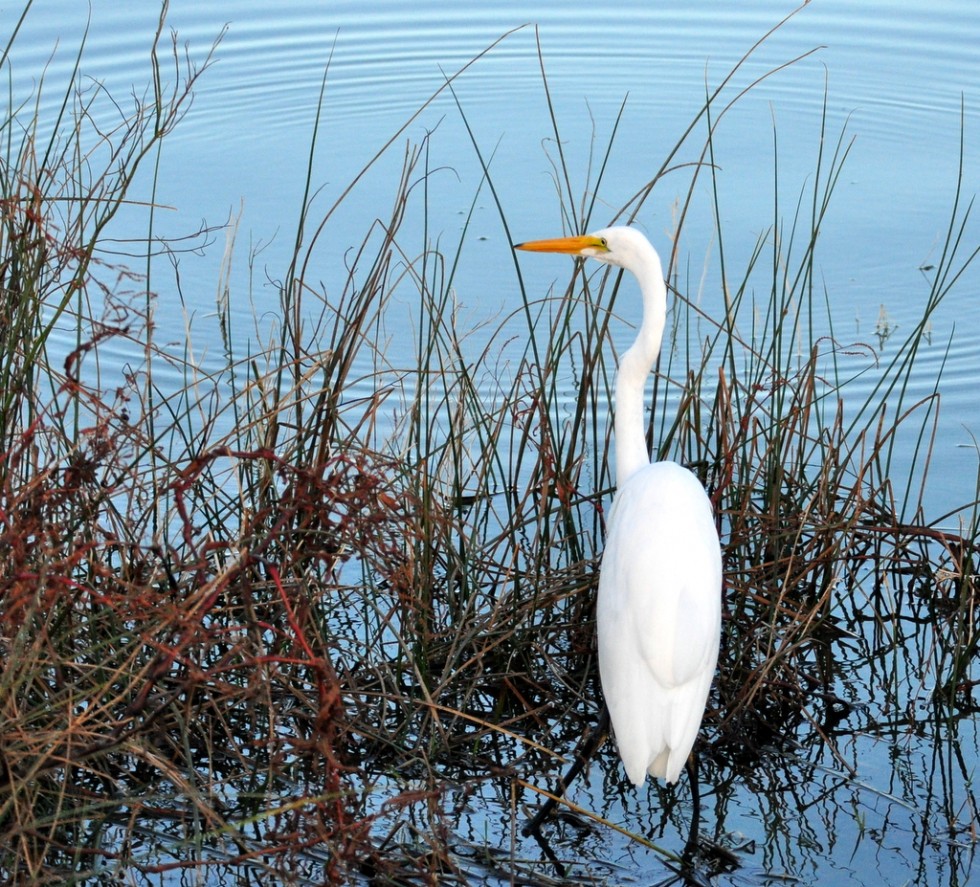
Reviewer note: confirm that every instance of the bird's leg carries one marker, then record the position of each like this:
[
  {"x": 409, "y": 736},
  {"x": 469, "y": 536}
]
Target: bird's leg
[
  {"x": 582, "y": 755},
  {"x": 542, "y": 842},
  {"x": 692, "y": 838}
]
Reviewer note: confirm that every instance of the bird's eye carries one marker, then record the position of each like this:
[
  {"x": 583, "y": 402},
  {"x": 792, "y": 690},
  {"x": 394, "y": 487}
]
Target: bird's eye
[{"x": 604, "y": 242}]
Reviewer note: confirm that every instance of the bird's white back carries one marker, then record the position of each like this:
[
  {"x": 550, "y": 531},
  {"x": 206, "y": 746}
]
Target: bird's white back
[{"x": 659, "y": 617}]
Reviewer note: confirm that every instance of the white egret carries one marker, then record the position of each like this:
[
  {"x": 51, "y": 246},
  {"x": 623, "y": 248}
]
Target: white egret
[{"x": 659, "y": 600}]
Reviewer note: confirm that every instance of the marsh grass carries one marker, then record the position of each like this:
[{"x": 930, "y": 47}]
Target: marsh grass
[{"x": 255, "y": 626}]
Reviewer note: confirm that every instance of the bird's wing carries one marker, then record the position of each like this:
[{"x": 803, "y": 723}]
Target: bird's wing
[
  {"x": 659, "y": 614},
  {"x": 661, "y": 572}
]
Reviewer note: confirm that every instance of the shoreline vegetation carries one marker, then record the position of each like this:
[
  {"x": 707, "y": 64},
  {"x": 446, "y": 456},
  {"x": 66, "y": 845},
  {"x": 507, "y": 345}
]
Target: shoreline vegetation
[{"x": 240, "y": 636}]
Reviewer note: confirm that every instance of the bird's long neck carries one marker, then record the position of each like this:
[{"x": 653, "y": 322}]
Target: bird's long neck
[{"x": 634, "y": 368}]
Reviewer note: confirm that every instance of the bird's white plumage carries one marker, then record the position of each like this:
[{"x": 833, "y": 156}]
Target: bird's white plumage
[
  {"x": 659, "y": 602},
  {"x": 659, "y": 617}
]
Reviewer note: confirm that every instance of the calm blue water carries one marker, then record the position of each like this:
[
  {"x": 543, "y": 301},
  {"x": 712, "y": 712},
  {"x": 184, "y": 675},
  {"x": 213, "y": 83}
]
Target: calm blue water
[{"x": 895, "y": 72}]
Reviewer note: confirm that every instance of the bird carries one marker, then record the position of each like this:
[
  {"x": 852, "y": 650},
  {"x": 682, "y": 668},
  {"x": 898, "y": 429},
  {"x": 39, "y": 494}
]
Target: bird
[{"x": 658, "y": 608}]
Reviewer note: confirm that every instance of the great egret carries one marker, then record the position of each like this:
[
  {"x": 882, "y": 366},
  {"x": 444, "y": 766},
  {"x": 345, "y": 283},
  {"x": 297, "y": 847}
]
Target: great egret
[{"x": 659, "y": 601}]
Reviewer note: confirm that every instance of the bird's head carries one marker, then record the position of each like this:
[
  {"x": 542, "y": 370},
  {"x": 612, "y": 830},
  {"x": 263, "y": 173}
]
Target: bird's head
[{"x": 621, "y": 246}]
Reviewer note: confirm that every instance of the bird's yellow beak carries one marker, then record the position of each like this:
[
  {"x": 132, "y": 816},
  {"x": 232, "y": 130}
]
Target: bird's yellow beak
[{"x": 572, "y": 245}]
